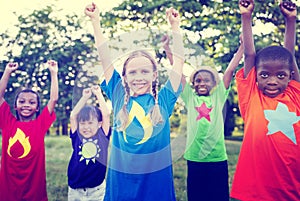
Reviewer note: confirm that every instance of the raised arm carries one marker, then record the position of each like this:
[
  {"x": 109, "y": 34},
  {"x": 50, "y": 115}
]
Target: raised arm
[
  {"x": 93, "y": 12},
  {"x": 178, "y": 51},
  {"x": 289, "y": 11},
  {"x": 53, "y": 68},
  {"x": 10, "y": 67},
  {"x": 234, "y": 63},
  {"x": 86, "y": 94},
  {"x": 246, "y": 9},
  {"x": 103, "y": 108}
]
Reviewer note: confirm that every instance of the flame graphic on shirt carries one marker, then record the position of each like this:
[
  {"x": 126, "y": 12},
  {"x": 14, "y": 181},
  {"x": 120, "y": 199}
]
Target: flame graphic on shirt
[
  {"x": 24, "y": 141},
  {"x": 139, "y": 113}
]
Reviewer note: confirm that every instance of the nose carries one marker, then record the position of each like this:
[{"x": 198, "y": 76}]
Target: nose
[{"x": 272, "y": 80}]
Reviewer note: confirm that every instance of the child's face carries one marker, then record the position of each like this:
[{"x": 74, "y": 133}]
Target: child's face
[
  {"x": 203, "y": 83},
  {"x": 140, "y": 75},
  {"x": 273, "y": 77},
  {"x": 26, "y": 105},
  {"x": 89, "y": 128}
]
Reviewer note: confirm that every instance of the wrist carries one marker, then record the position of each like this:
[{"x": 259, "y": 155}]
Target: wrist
[
  {"x": 95, "y": 19},
  {"x": 176, "y": 28},
  {"x": 290, "y": 18}
]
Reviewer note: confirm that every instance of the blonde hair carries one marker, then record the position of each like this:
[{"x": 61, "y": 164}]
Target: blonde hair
[{"x": 155, "y": 115}]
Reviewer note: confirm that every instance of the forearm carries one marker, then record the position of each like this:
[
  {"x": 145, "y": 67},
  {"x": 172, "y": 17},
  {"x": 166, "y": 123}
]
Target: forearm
[
  {"x": 103, "y": 105},
  {"x": 3, "y": 83},
  {"x": 248, "y": 40},
  {"x": 178, "y": 58},
  {"x": 290, "y": 34},
  {"x": 101, "y": 44},
  {"x": 79, "y": 105},
  {"x": 249, "y": 49},
  {"x": 53, "y": 92},
  {"x": 54, "y": 87},
  {"x": 234, "y": 63}
]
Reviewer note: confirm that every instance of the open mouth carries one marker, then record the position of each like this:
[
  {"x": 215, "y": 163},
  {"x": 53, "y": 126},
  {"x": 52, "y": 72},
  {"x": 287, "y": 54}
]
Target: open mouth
[
  {"x": 202, "y": 89},
  {"x": 26, "y": 111}
]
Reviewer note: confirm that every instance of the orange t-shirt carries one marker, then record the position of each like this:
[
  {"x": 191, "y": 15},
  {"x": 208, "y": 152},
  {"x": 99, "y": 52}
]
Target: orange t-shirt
[{"x": 268, "y": 167}]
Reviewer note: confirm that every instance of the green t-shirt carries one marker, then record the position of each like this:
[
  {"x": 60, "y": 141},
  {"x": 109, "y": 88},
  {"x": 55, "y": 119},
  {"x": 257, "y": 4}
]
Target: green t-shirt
[{"x": 205, "y": 125}]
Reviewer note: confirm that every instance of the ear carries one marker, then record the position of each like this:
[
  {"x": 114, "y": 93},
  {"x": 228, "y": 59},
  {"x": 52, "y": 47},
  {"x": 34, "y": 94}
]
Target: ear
[
  {"x": 99, "y": 124},
  {"x": 292, "y": 74}
]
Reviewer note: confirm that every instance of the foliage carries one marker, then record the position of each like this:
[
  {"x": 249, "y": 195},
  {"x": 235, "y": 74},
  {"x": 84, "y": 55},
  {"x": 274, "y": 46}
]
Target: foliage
[
  {"x": 212, "y": 26},
  {"x": 42, "y": 36}
]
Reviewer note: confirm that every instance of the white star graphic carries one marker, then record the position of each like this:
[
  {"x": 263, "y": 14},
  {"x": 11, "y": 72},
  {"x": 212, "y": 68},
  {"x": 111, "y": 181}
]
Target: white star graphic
[{"x": 282, "y": 120}]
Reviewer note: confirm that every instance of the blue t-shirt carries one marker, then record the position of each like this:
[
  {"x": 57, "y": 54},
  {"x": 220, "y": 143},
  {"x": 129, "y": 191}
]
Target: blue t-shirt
[
  {"x": 140, "y": 165},
  {"x": 87, "y": 166}
]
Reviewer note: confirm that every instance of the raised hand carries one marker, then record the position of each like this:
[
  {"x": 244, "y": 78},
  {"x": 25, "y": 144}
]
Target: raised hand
[
  {"x": 52, "y": 66},
  {"x": 246, "y": 6},
  {"x": 173, "y": 17},
  {"x": 288, "y": 9},
  {"x": 87, "y": 93},
  {"x": 92, "y": 11},
  {"x": 96, "y": 90},
  {"x": 12, "y": 66}
]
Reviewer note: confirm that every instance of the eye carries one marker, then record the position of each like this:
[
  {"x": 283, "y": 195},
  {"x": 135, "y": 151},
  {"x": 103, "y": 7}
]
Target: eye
[
  {"x": 197, "y": 80},
  {"x": 21, "y": 101},
  {"x": 281, "y": 76},
  {"x": 145, "y": 71},
  {"x": 32, "y": 102},
  {"x": 264, "y": 75}
]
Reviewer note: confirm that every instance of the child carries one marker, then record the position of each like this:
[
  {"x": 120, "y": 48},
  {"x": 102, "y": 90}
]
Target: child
[
  {"x": 140, "y": 162},
  {"x": 23, "y": 172},
  {"x": 269, "y": 101},
  {"x": 90, "y": 136},
  {"x": 204, "y": 98}
]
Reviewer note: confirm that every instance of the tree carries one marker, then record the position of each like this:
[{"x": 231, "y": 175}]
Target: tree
[
  {"x": 212, "y": 29},
  {"x": 43, "y": 36}
]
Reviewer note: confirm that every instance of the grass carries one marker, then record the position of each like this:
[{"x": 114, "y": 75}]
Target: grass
[{"x": 58, "y": 152}]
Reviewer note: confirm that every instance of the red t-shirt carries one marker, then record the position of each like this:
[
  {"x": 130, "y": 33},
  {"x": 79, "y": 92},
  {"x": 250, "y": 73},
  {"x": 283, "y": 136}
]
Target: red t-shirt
[
  {"x": 268, "y": 168},
  {"x": 23, "y": 172}
]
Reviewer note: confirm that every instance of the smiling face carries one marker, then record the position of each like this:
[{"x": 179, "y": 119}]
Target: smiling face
[
  {"x": 139, "y": 75},
  {"x": 273, "y": 77},
  {"x": 203, "y": 82},
  {"x": 89, "y": 127},
  {"x": 89, "y": 121},
  {"x": 26, "y": 105}
]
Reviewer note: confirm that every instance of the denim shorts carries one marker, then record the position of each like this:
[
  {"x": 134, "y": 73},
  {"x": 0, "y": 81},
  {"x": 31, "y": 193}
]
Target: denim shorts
[{"x": 87, "y": 194}]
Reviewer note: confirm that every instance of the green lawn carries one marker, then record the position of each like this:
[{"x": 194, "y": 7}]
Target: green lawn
[{"x": 58, "y": 152}]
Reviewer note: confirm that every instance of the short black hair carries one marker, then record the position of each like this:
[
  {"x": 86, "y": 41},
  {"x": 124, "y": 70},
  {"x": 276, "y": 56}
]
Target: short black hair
[
  {"x": 27, "y": 90},
  {"x": 203, "y": 70},
  {"x": 89, "y": 111},
  {"x": 278, "y": 53}
]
